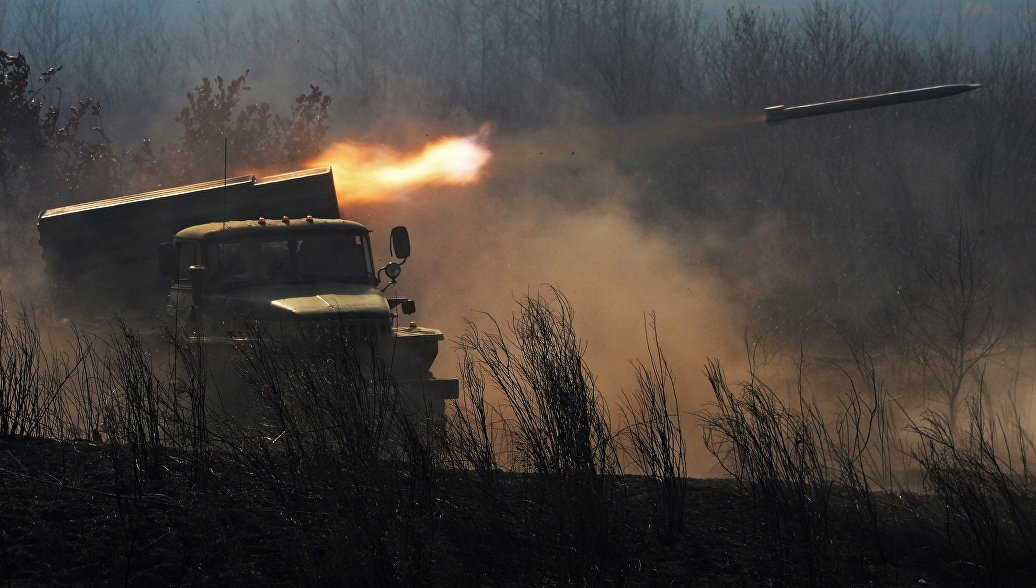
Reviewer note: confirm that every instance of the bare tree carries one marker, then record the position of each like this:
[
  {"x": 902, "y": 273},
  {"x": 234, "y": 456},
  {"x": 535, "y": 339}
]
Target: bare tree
[
  {"x": 624, "y": 43},
  {"x": 548, "y": 21},
  {"x": 5, "y": 9},
  {"x": 218, "y": 35},
  {"x": 746, "y": 59},
  {"x": 832, "y": 43},
  {"x": 46, "y": 32},
  {"x": 360, "y": 61},
  {"x": 954, "y": 317}
]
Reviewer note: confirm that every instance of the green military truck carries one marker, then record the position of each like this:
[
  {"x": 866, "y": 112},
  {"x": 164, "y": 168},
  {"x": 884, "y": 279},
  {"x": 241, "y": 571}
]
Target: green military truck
[{"x": 239, "y": 251}]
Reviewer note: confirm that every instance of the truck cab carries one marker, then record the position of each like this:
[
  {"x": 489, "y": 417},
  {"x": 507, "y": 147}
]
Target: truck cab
[
  {"x": 291, "y": 269},
  {"x": 291, "y": 275}
]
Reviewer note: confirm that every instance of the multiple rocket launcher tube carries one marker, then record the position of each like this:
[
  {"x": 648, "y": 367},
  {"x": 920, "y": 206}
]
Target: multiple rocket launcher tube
[{"x": 780, "y": 113}]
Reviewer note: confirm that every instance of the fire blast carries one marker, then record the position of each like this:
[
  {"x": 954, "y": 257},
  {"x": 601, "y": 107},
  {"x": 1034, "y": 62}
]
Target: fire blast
[{"x": 368, "y": 173}]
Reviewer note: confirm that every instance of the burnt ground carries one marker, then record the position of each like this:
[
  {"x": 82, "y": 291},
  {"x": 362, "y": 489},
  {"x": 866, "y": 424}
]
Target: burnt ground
[{"x": 72, "y": 514}]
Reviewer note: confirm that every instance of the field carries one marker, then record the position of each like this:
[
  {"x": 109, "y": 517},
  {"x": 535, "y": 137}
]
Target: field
[
  {"x": 67, "y": 522},
  {"x": 113, "y": 471}
]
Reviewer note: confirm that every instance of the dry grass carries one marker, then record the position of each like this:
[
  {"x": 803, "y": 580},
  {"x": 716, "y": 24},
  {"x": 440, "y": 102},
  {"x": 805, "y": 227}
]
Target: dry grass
[
  {"x": 32, "y": 375},
  {"x": 329, "y": 479},
  {"x": 981, "y": 478},
  {"x": 655, "y": 439},
  {"x": 554, "y": 425}
]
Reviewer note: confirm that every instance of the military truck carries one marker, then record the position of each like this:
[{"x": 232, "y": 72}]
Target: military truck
[{"x": 269, "y": 250}]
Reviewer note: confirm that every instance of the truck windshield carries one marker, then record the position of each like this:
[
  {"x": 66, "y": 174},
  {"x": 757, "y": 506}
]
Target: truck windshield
[{"x": 291, "y": 258}]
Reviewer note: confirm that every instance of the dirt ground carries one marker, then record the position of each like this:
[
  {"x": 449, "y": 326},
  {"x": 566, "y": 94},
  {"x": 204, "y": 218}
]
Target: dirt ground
[{"x": 67, "y": 518}]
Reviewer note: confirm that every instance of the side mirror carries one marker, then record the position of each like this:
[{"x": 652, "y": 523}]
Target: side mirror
[
  {"x": 400, "y": 244},
  {"x": 167, "y": 260},
  {"x": 199, "y": 282}
]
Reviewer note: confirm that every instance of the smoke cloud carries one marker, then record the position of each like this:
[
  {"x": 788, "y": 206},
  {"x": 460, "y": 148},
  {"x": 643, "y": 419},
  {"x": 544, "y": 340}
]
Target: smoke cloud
[{"x": 541, "y": 221}]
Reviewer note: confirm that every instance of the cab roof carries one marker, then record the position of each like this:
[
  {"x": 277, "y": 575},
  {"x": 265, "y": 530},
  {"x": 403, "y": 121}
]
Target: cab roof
[{"x": 242, "y": 228}]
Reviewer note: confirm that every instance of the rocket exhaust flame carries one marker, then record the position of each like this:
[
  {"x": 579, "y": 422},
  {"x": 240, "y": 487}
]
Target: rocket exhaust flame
[{"x": 365, "y": 173}]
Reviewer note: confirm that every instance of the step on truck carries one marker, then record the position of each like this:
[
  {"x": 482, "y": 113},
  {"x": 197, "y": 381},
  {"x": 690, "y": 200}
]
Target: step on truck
[{"x": 270, "y": 251}]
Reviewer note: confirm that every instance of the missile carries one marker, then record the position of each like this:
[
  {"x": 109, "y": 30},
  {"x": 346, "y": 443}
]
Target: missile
[{"x": 780, "y": 113}]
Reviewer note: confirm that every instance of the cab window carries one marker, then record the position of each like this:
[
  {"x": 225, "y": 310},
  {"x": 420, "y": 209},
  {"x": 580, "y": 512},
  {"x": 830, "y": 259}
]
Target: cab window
[
  {"x": 186, "y": 256},
  {"x": 313, "y": 256}
]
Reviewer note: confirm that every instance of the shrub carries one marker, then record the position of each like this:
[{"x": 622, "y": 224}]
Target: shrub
[
  {"x": 657, "y": 444},
  {"x": 981, "y": 478},
  {"x": 555, "y": 426},
  {"x": 32, "y": 376}
]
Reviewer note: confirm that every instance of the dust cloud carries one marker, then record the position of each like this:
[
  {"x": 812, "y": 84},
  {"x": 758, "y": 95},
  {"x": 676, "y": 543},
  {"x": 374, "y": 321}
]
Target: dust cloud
[{"x": 539, "y": 222}]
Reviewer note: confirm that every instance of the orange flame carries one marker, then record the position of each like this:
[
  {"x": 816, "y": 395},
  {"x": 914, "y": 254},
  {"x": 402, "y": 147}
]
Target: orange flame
[{"x": 365, "y": 173}]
